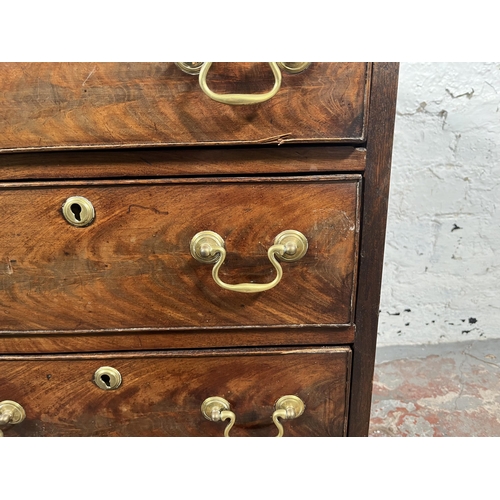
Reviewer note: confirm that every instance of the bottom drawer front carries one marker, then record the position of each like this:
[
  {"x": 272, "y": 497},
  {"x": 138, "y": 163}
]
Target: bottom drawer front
[{"x": 161, "y": 393}]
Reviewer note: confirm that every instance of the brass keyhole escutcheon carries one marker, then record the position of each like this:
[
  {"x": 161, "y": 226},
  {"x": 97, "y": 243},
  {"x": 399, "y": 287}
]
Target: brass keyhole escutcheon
[
  {"x": 107, "y": 378},
  {"x": 78, "y": 211}
]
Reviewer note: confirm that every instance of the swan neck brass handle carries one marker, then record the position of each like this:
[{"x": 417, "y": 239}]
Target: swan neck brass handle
[
  {"x": 11, "y": 413},
  {"x": 240, "y": 99},
  {"x": 208, "y": 247},
  {"x": 216, "y": 409},
  {"x": 287, "y": 408}
]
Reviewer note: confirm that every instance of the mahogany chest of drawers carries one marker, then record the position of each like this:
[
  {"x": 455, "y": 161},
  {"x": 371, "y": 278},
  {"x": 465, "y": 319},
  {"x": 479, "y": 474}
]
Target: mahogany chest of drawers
[{"x": 191, "y": 249}]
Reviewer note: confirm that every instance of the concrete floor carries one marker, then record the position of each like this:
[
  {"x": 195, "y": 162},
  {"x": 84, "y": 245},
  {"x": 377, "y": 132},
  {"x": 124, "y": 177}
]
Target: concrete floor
[{"x": 437, "y": 390}]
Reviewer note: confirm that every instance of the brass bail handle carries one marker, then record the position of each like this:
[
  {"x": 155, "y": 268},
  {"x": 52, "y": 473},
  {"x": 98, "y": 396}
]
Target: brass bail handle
[
  {"x": 241, "y": 99},
  {"x": 208, "y": 247},
  {"x": 11, "y": 413},
  {"x": 216, "y": 409}
]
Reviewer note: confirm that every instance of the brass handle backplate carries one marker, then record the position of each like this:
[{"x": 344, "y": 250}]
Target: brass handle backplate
[
  {"x": 208, "y": 247},
  {"x": 240, "y": 99},
  {"x": 11, "y": 413},
  {"x": 287, "y": 408},
  {"x": 216, "y": 409}
]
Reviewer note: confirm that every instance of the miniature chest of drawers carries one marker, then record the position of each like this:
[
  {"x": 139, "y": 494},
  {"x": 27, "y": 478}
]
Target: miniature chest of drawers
[{"x": 191, "y": 249}]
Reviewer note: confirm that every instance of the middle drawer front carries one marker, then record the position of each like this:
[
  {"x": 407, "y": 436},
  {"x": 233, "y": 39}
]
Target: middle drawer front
[{"x": 132, "y": 267}]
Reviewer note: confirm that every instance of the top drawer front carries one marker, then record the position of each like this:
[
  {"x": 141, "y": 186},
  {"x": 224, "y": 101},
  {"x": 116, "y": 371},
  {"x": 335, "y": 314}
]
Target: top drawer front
[{"x": 96, "y": 105}]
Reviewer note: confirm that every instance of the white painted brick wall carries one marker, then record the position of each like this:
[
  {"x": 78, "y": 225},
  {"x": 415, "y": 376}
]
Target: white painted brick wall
[{"x": 441, "y": 273}]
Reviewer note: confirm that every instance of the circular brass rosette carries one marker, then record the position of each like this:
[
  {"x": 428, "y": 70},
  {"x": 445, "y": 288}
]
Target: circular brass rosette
[
  {"x": 295, "y": 241},
  {"x": 203, "y": 243},
  {"x": 191, "y": 68},
  {"x": 11, "y": 412}
]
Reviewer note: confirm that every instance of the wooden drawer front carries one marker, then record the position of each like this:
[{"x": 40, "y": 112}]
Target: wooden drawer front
[
  {"x": 162, "y": 393},
  {"x": 88, "y": 105},
  {"x": 132, "y": 268}
]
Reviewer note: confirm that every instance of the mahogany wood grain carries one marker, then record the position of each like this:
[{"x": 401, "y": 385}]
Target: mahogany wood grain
[
  {"x": 161, "y": 393},
  {"x": 108, "y": 105},
  {"x": 197, "y": 339},
  {"x": 161, "y": 161},
  {"x": 137, "y": 163},
  {"x": 375, "y": 201},
  {"x": 132, "y": 267}
]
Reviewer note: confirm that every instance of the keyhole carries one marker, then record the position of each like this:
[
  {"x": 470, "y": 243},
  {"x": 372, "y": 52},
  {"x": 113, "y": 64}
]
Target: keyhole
[
  {"x": 107, "y": 381},
  {"x": 107, "y": 378},
  {"x": 77, "y": 210}
]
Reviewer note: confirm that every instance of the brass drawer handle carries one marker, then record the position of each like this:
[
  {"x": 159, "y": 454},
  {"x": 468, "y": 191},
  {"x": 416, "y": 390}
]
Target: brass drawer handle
[
  {"x": 208, "y": 247},
  {"x": 240, "y": 99},
  {"x": 287, "y": 408},
  {"x": 11, "y": 413},
  {"x": 216, "y": 409}
]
